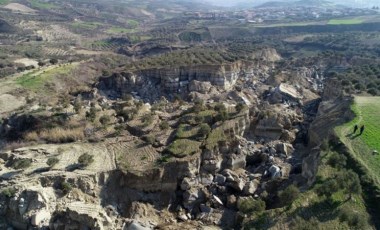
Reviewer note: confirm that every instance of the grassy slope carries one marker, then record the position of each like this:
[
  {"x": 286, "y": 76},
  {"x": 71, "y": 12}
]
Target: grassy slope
[
  {"x": 367, "y": 110},
  {"x": 36, "y": 80},
  {"x": 310, "y": 205}
]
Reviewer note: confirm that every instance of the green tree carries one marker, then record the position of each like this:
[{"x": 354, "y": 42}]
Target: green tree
[
  {"x": 349, "y": 181},
  {"x": 91, "y": 115},
  {"x": 52, "y": 161},
  {"x": 85, "y": 159},
  {"x": 289, "y": 195},
  {"x": 204, "y": 130}
]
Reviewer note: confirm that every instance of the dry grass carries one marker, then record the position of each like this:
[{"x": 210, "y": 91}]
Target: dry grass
[{"x": 56, "y": 135}]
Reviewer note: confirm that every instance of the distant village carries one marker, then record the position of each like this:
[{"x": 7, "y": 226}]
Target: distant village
[{"x": 273, "y": 15}]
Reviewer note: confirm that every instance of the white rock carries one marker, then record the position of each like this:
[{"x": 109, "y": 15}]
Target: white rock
[{"x": 41, "y": 218}]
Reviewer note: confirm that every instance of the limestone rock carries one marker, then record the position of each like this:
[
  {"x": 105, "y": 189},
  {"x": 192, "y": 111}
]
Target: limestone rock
[
  {"x": 136, "y": 226},
  {"x": 41, "y": 218},
  {"x": 275, "y": 171},
  {"x": 250, "y": 187},
  {"x": 201, "y": 87},
  {"x": 220, "y": 179}
]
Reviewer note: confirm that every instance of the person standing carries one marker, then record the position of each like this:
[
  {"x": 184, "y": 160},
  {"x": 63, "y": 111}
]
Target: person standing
[
  {"x": 362, "y": 130},
  {"x": 355, "y": 129}
]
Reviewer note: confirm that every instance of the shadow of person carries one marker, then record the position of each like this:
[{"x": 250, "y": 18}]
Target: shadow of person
[{"x": 355, "y": 136}]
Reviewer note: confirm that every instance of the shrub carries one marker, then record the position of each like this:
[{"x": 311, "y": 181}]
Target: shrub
[
  {"x": 300, "y": 223},
  {"x": 147, "y": 119},
  {"x": 85, "y": 159},
  {"x": 250, "y": 205},
  {"x": 353, "y": 218},
  {"x": 350, "y": 182},
  {"x": 61, "y": 135},
  {"x": 22, "y": 163},
  {"x": 164, "y": 125},
  {"x": 289, "y": 195},
  {"x": 328, "y": 188},
  {"x": 239, "y": 107},
  {"x": 337, "y": 160},
  {"x": 52, "y": 161},
  {"x": 222, "y": 116},
  {"x": 91, "y": 115},
  {"x": 8, "y": 192},
  {"x": 105, "y": 119},
  {"x": 204, "y": 130},
  {"x": 53, "y": 61},
  {"x": 150, "y": 139},
  {"x": 66, "y": 187}
]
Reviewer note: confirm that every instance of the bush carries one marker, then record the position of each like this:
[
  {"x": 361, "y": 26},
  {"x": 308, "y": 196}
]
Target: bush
[
  {"x": 91, "y": 115},
  {"x": 289, "y": 195},
  {"x": 300, "y": 223},
  {"x": 250, "y": 205},
  {"x": 204, "y": 130},
  {"x": 66, "y": 187},
  {"x": 147, "y": 119},
  {"x": 337, "y": 160},
  {"x": 105, "y": 119},
  {"x": 52, "y": 161},
  {"x": 353, "y": 218},
  {"x": 61, "y": 135},
  {"x": 328, "y": 188},
  {"x": 350, "y": 182},
  {"x": 85, "y": 159},
  {"x": 239, "y": 107},
  {"x": 164, "y": 125},
  {"x": 150, "y": 139},
  {"x": 21, "y": 163},
  {"x": 8, "y": 192}
]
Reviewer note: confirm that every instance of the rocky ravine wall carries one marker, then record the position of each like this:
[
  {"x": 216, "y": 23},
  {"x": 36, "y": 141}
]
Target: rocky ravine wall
[
  {"x": 332, "y": 111},
  {"x": 152, "y": 83}
]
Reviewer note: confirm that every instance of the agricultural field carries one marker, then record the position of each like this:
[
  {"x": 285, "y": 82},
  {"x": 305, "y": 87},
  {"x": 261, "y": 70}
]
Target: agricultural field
[
  {"x": 345, "y": 21},
  {"x": 36, "y": 80},
  {"x": 367, "y": 110},
  {"x": 42, "y": 4}
]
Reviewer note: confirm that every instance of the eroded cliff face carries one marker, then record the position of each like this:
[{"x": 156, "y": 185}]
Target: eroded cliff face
[
  {"x": 332, "y": 111},
  {"x": 151, "y": 84}
]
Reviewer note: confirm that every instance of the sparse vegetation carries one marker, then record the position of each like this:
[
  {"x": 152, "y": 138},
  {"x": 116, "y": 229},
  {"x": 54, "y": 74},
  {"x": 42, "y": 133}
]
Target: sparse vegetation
[
  {"x": 52, "y": 161},
  {"x": 21, "y": 163},
  {"x": 250, "y": 205},
  {"x": 85, "y": 159}
]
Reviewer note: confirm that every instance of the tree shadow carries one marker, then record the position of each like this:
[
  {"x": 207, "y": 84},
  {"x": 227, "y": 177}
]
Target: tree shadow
[
  {"x": 324, "y": 211},
  {"x": 73, "y": 167}
]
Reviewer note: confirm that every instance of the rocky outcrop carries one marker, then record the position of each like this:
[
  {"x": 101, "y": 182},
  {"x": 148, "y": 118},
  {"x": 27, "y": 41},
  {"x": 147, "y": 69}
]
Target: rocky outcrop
[
  {"x": 154, "y": 83},
  {"x": 332, "y": 111}
]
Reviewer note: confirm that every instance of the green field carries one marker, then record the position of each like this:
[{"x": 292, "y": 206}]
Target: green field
[
  {"x": 367, "y": 110},
  {"x": 350, "y": 21},
  {"x": 42, "y": 4},
  {"x": 36, "y": 80},
  {"x": 3, "y": 2},
  {"x": 119, "y": 30},
  {"x": 86, "y": 25}
]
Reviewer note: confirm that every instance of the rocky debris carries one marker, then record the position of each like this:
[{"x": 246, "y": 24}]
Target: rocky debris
[
  {"x": 200, "y": 87},
  {"x": 250, "y": 187},
  {"x": 285, "y": 148},
  {"x": 275, "y": 172},
  {"x": 135, "y": 226}
]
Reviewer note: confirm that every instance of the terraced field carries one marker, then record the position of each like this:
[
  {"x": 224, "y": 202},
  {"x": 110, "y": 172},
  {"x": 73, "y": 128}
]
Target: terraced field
[{"x": 133, "y": 155}]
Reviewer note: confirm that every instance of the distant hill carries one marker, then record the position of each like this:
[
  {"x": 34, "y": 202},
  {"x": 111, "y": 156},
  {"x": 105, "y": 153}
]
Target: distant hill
[{"x": 313, "y": 3}]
